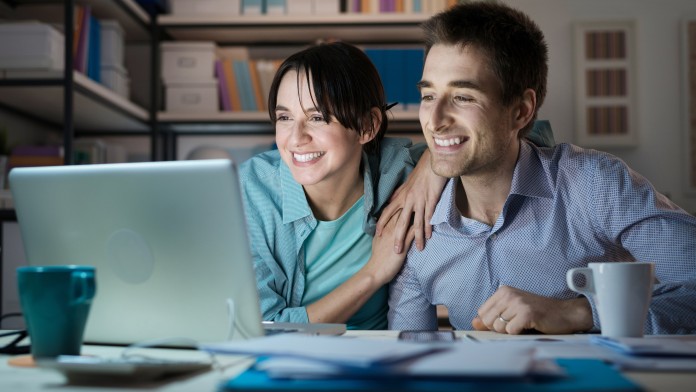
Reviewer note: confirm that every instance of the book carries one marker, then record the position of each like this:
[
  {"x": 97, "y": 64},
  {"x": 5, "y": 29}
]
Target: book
[
  {"x": 232, "y": 87},
  {"x": 223, "y": 92},
  {"x": 256, "y": 86}
]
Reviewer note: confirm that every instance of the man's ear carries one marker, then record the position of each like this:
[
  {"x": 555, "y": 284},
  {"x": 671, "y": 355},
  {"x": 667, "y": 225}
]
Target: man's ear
[
  {"x": 376, "y": 122},
  {"x": 525, "y": 108}
]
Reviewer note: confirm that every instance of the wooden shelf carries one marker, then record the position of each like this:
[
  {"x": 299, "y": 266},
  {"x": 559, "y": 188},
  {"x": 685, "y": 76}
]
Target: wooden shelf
[
  {"x": 132, "y": 18},
  {"x": 96, "y": 108},
  {"x": 254, "y": 122},
  {"x": 250, "y": 30}
]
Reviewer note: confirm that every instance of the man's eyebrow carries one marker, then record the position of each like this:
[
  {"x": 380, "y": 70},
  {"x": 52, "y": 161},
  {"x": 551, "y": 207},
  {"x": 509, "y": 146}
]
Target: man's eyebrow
[{"x": 454, "y": 83}]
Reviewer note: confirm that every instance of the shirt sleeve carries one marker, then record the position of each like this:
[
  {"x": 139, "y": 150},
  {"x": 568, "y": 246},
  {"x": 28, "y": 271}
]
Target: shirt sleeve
[
  {"x": 409, "y": 309},
  {"x": 634, "y": 218},
  {"x": 387, "y": 171}
]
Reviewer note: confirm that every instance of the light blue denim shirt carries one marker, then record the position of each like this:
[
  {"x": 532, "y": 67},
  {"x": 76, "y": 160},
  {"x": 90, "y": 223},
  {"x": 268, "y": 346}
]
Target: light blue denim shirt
[
  {"x": 280, "y": 220},
  {"x": 567, "y": 207}
]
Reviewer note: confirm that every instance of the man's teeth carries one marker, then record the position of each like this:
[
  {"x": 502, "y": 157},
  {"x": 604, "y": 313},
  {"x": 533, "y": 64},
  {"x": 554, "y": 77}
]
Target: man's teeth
[
  {"x": 448, "y": 142},
  {"x": 307, "y": 157}
]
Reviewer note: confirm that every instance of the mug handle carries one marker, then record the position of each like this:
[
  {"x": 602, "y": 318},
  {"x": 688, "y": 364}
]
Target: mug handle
[
  {"x": 83, "y": 287},
  {"x": 588, "y": 288}
]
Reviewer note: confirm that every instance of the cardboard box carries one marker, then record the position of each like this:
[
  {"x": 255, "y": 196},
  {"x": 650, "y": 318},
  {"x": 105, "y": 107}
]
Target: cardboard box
[
  {"x": 112, "y": 43},
  {"x": 188, "y": 60},
  {"x": 192, "y": 96},
  {"x": 206, "y": 7},
  {"x": 115, "y": 77},
  {"x": 31, "y": 45}
]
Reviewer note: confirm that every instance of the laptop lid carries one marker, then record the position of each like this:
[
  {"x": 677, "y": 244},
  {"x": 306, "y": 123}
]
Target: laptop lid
[{"x": 168, "y": 240}]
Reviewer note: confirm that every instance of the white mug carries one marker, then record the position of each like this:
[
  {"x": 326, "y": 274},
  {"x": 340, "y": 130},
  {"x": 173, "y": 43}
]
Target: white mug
[{"x": 622, "y": 292}]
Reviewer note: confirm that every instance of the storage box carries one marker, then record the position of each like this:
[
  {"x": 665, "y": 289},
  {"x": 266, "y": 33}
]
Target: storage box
[
  {"x": 300, "y": 7},
  {"x": 326, "y": 7},
  {"x": 112, "y": 42},
  {"x": 31, "y": 45},
  {"x": 115, "y": 77},
  {"x": 188, "y": 60},
  {"x": 192, "y": 96},
  {"x": 206, "y": 7}
]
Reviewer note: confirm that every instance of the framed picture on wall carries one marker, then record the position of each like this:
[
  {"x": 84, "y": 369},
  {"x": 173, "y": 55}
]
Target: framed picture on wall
[
  {"x": 689, "y": 99},
  {"x": 605, "y": 73}
]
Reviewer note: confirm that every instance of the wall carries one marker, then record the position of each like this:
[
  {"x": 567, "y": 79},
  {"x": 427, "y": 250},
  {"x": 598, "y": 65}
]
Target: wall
[{"x": 660, "y": 155}]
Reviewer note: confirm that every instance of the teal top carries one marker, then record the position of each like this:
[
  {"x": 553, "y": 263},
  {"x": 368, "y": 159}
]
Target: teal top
[
  {"x": 280, "y": 220},
  {"x": 338, "y": 249}
]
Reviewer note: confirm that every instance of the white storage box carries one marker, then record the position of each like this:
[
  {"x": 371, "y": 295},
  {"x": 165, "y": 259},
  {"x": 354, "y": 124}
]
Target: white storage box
[
  {"x": 327, "y": 7},
  {"x": 188, "y": 60},
  {"x": 206, "y": 7},
  {"x": 115, "y": 77},
  {"x": 192, "y": 96},
  {"x": 300, "y": 7},
  {"x": 111, "y": 43},
  {"x": 31, "y": 45}
]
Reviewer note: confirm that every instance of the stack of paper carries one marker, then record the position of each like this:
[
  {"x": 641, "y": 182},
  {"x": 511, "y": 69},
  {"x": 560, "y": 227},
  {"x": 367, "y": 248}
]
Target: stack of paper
[{"x": 312, "y": 357}]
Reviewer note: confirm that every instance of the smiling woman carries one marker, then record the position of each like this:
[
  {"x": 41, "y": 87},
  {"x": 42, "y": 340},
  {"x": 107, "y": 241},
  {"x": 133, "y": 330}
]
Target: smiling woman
[{"x": 312, "y": 204}]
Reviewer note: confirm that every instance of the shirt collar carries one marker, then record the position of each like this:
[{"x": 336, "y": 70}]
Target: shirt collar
[
  {"x": 295, "y": 205},
  {"x": 528, "y": 179}
]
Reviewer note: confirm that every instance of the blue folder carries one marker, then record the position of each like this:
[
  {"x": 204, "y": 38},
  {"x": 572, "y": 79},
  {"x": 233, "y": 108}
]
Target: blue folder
[{"x": 581, "y": 375}]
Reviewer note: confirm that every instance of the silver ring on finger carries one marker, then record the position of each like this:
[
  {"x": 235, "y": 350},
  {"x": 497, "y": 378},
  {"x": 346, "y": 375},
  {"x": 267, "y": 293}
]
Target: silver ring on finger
[{"x": 503, "y": 319}]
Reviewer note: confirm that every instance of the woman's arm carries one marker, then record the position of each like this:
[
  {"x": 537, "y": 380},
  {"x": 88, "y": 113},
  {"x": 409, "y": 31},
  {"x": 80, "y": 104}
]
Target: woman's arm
[{"x": 344, "y": 301}]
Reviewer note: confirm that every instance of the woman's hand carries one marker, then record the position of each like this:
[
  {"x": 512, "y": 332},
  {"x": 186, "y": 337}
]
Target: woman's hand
[{"x": 413, "y": 204}]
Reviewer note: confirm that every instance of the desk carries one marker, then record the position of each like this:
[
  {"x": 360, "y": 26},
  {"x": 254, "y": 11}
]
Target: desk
[{"x": 35, "y": 379}]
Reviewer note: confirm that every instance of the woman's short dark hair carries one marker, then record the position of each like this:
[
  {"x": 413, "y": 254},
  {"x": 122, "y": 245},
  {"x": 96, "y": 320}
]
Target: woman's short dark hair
[
  {"x": 513, "y": 43},
  {"x": 345, "y": 83}
]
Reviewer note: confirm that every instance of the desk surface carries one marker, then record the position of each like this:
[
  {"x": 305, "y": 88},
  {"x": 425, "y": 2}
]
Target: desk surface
[{"x": 35, "y": 379}]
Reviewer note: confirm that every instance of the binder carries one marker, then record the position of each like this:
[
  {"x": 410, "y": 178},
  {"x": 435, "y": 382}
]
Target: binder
[{"x": 581, "y": 375}]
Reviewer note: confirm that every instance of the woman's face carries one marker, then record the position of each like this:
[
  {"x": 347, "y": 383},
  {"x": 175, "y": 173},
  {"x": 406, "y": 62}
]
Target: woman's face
[{"x": 315, "y": 152}]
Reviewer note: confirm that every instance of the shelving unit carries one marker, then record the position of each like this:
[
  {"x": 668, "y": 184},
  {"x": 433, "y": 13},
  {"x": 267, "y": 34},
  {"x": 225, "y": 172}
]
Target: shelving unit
[
  {"x": 69, "y": 100},
  {"x": 282, "y": 31}
]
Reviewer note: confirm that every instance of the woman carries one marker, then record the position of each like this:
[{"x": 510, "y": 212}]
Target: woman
[{"x": 311, "y": 205}]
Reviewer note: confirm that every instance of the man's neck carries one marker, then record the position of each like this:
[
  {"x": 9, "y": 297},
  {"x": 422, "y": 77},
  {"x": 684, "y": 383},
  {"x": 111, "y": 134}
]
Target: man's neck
[{"x": 482, "y": 196}]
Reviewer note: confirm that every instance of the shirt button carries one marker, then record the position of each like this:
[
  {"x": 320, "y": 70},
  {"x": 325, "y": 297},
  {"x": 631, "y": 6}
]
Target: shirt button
[{"x": 493, "y": 236}]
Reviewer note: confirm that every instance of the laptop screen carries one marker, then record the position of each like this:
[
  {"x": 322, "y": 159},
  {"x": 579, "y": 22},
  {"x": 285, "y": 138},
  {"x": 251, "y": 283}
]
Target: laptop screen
[{"x": 168, "y": 240}]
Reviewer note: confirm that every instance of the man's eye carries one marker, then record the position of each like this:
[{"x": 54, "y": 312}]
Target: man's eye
[
  {"x": 317, "y": 119},
  {"x": 460, "y": 98},
  {"x": 282, "y": 117}
]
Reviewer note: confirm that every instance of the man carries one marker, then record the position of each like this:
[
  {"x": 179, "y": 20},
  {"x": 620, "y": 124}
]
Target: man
[{"x": 514, "y": 218}]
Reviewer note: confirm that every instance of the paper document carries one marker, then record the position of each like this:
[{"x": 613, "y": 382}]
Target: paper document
[
  {"x": 458, "y": 361},
  {"x": 336, "y": 350},
  {"x": 652, "y": 347}
]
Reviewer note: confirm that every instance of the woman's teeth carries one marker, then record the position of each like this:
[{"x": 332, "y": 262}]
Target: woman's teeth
[{"x": 307, "y": 157}]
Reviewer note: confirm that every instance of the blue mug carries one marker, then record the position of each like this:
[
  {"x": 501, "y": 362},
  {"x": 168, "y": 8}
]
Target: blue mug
[{"x": 55, "y": 302}]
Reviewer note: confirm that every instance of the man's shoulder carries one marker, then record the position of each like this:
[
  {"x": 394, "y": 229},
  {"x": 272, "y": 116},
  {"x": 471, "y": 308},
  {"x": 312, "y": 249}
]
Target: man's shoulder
[{"x": 567, "y": 156}]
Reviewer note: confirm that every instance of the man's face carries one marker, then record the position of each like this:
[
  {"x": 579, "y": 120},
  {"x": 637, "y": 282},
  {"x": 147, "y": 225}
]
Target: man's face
[{"x": 468, "y": 130}]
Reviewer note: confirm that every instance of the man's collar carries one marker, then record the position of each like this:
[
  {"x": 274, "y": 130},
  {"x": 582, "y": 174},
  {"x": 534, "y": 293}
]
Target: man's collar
[{"x": 529, "y": 179}]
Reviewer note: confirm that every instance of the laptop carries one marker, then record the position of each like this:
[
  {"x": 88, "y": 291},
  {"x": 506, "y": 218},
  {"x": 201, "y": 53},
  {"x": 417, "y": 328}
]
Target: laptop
[{"x": 168, "y": 240}]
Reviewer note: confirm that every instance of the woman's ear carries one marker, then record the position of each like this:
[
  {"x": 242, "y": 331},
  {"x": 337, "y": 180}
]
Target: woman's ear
[{"x": 376, "y": 123}]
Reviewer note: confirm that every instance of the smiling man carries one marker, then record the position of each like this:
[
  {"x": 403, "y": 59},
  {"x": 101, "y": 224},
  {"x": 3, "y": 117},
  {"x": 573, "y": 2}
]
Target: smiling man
[{"x": 515, "y": 217}]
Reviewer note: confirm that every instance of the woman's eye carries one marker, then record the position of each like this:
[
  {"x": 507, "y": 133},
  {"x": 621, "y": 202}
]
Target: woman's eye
[
  {"x": 426, "y": 98},
  {"x": 317, "y": 119},
  {"x": 282, "y": 117}
]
